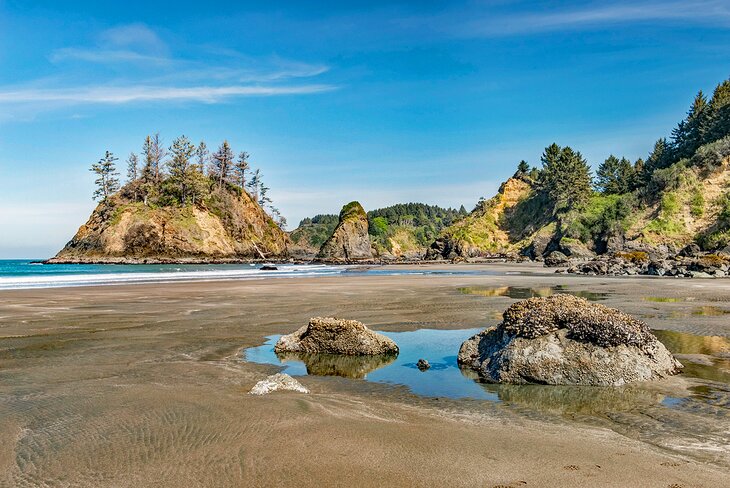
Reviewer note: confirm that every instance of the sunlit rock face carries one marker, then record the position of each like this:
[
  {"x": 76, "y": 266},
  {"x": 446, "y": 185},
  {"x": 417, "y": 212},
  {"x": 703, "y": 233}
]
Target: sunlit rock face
[
  {"x": 350, "y": 240},
  {"x": 566, "y": 340}
]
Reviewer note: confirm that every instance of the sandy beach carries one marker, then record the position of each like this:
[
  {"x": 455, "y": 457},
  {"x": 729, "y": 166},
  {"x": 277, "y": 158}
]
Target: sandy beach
[{"x": 144, "y": 385}]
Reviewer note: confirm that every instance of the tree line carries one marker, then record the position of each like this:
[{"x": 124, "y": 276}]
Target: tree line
[
  {"x": 182, "y": 174},
  {"x": 701, "y": 139}
]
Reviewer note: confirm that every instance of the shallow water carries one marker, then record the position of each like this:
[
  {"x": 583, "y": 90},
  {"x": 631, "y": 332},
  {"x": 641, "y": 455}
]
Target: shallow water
[
  {"x": 688, "y": 414},
  {"x": 521, "y": 293}
]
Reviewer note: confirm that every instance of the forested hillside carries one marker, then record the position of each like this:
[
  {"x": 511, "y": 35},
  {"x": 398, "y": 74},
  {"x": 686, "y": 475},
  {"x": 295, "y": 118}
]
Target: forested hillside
[{"x": 678, "y": 195}]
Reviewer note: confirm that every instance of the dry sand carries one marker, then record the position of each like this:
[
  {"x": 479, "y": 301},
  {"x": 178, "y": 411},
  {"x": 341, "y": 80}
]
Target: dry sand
[{"x": 143, "y": 385}]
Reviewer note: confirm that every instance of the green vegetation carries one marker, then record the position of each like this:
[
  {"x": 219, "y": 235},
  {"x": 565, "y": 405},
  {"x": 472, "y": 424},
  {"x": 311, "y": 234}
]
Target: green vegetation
[
  {"x": 190, "y": 176},
  {"x": 420, "y": 222}
]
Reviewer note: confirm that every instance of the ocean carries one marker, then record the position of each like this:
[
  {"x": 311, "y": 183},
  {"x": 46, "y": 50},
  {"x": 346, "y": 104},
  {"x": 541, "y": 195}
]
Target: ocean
[{"x": 23, "y": 273}]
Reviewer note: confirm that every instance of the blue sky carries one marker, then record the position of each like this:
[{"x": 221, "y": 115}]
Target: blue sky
[{"x": 382, "y": 102}]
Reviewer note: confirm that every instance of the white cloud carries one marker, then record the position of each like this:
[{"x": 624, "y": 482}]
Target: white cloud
[
  {"x": 595, "y": 15},
  {"x": 127, "y": 94}
]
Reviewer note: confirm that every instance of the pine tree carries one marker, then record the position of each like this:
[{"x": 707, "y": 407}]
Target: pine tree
[
  {"x": 202, "y": 156},
  {"x": 181, "y": 170},
  {"x": 132, "y": 167},
  {"x": 222, "y": 161},
  {"x": 689, "y": 133},
  {"x": 254, "y": 185},
  {"x": 659, "y": 158},
  {"x": 565, "y": 178},
  {"x": 241, "y": 167},
  {"x": 157, "y": 154},
  {"x": 523, "y": 167},
  {"x": 107, "y": 181},
  {"x": 615, "y": 176},
  {"x": 147, "y": 174},
  {"x": 719, "y": 113}
]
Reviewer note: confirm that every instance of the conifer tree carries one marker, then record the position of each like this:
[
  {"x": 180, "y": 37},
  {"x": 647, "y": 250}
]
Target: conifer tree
[
  {"x": 222, "y": 161},
  {"x": 241, "y": 167},
  {"x": 157, "y": 155},
  {"x": 565, "y": 178},
  {"x": 659, "y": 158},
  {"x": 202, "y": 156},
  {"x": 689, "y": 133},
  {"x": 180, "y": 167},
  {"x": 615, "y": 176},
  {"x": 254, "y": 184},
  {"x": 719, "y": 113},
  {"x": 132, "y": 167},
  {"x": 107, "y": 181},
  {"x": 523, "y": 167}
]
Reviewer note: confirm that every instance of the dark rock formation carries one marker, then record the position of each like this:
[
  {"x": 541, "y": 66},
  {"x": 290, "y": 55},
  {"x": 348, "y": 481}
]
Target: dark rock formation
[
  {"x": 423, "y": 365},
  {"x": 335, "y": 336},
  {"x": 350, "y": 240},
  {"x": 566, "y": 340}
]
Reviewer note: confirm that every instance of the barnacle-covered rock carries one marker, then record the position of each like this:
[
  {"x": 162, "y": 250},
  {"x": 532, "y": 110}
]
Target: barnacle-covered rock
[
  {"x": 335, "y": 336},
  {"x": 566, "y": 340}
]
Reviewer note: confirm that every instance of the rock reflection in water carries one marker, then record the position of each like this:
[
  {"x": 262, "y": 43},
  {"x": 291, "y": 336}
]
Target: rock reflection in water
[
  {"x": 586, "y": 400},
  {"x": 339, "y": 365},
  {"x": 522, "y": 293}
]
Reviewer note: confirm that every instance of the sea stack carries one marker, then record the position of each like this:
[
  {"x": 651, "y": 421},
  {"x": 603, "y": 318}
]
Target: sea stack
[
  {"x": 350, "y": 240},
  {"x": 565, "y": 340}
]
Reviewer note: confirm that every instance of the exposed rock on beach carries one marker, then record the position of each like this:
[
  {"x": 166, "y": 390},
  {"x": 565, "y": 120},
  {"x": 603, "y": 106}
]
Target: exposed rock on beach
[
  {"x": 278, "y": 381},
  {"x": 350, "y": 239},
  {"x": 335, "y": 336},
  {"x": 566, "y": 340}
]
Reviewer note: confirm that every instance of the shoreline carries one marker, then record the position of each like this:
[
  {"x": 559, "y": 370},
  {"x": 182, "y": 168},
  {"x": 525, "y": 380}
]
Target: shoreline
[{"x": 145, "y": 377}]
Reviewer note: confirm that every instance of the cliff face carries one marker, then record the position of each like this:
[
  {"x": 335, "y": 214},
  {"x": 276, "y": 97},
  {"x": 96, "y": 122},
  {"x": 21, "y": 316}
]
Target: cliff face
[
  {"x": 350, "y": 239},
  {"x": 226, "y": 226},
  {"x": 500, "y": 225}
]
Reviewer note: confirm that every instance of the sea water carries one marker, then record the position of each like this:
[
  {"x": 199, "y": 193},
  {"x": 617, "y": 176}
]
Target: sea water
[{"x": 23, "y": 273}]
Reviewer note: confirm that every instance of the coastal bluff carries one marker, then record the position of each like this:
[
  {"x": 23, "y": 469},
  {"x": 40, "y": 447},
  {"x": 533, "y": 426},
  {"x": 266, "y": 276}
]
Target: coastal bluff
[{"x": 227, "y": 226}]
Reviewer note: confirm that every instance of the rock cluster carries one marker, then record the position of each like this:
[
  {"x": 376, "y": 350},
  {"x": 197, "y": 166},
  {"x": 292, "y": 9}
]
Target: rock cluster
[
  {"x": 640, "y": 263},
  {"x": 567, "y": 340},
  {"x": 335, "y": 336}
]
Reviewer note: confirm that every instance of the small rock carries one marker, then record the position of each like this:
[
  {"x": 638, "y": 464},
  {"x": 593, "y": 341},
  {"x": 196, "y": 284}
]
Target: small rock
[
  {"x": 423, "y": 365},
  {"x": 278, "y": 381},
  {"x": 268, "y": 267}
]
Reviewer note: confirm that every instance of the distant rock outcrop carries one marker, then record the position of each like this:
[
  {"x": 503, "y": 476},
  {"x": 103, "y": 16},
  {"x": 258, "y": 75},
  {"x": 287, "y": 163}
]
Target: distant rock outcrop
[
  {"x": 335, "y": 336},
  {"x": 350, "y": 239},
  {"x": 566, "y": 340},
  {"x": 227, "y": 226}
]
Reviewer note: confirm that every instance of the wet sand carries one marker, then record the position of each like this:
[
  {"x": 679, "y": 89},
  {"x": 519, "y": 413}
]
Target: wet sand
[{"x": 143, "y": 385}]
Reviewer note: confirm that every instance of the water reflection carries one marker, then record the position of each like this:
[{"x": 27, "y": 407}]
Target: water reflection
[
  {"x": 338, "y": 365},
  {"x": 522, "y": 293}
]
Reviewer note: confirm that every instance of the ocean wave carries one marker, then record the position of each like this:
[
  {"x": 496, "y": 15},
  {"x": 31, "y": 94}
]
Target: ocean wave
[{"x": 47, "y": 280}]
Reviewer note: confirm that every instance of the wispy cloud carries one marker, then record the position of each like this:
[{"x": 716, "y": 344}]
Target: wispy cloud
[
  {"x": 125, "y": 43},
  {"x": 126, "y": 94},
  {"x": 595, "y": 15},
  {"x": 135, "y": 64}
]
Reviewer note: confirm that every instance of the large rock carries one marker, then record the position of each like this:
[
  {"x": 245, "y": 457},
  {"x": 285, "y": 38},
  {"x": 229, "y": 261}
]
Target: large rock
[
  {"x": 350, "y": 239},
  {"x": 335, "y": 336},
  {"x": 566, "y": 340}
]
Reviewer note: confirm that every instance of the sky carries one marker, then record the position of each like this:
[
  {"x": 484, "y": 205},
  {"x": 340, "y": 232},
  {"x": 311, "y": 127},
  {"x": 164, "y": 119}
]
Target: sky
[{"x": 381, "y": 102}]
